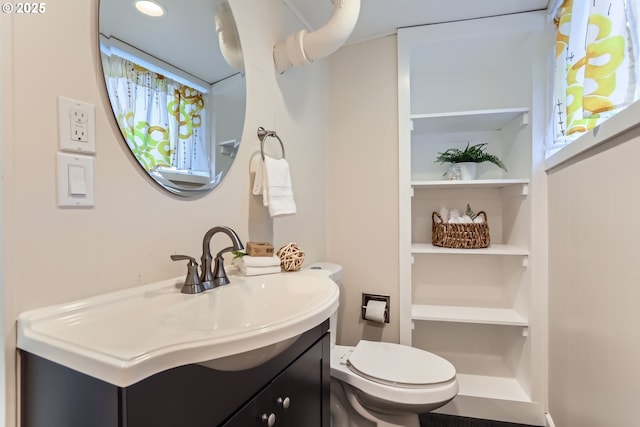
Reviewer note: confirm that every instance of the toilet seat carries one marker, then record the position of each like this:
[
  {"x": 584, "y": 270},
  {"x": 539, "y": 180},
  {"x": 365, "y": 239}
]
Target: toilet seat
[
  {"x": 399, "y": 365},
  {"x": 398, "y": 392}
]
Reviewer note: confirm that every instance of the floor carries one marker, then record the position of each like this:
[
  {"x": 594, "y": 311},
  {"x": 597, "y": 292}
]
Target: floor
[{"x": 439, "y": 420}]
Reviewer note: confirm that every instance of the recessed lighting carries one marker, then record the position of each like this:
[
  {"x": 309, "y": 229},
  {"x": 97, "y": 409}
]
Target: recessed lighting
[{"x": 150, "y": 8}]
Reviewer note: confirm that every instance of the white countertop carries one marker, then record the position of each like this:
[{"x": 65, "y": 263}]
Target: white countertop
[{"x": 126, "y": 336}]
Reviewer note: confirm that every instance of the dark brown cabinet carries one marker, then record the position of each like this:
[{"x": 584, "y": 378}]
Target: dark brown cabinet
[
  {"x": 291, "y": 399},
  {"x": 291, "y": 389}
]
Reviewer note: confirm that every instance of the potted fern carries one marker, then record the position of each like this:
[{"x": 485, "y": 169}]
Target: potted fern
[{"x": 466, "y": 160}]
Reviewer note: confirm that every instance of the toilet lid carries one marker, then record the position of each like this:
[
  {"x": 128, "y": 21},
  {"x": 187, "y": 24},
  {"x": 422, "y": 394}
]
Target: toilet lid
[{"x": 399, "y": 365}]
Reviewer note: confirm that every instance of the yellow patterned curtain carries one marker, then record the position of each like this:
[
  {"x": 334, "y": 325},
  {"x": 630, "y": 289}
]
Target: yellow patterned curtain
[
  {"x": 186, "y": 130},
  {"x": 160, "y": 119},
  {"x": 596, "y": 66}
]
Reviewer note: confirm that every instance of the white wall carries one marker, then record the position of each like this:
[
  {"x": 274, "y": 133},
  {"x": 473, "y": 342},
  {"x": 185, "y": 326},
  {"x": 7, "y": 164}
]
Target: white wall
[
  {"x": 53, "y": 255},
  {"x": 363, "y": 183},
  {"x": 594, "y": 287}
]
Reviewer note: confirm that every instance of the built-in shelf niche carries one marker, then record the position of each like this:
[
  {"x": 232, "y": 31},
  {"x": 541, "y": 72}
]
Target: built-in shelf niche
[
  {"x": 500, "y": 129},
  {"x": 487, "y": 356},
  {"x": 458, "y": 84}
]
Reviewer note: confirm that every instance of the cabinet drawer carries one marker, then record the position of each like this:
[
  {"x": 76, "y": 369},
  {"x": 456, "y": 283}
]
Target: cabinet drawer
[{"x": 294, "y": 398}]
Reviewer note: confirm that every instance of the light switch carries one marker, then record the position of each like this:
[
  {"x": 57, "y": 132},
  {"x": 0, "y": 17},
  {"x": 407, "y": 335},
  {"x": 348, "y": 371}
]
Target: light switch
[{"x": 75, "y": 180}]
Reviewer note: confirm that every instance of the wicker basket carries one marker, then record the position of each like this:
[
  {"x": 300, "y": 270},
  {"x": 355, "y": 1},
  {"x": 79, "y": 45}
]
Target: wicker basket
[{"x": 460, "y": 236}]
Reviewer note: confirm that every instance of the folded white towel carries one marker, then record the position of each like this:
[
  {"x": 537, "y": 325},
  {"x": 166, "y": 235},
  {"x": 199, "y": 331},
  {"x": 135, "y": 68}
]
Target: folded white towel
[
  {"x": 256, "y": 271},
  {"x": 257, "y": 261},
  {"x": 277, "y": 191}
]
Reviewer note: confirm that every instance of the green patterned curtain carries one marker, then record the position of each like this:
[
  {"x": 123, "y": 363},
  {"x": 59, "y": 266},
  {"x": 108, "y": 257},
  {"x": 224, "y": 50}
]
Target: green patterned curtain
[
  {"x": 596, "y": 70},
  {"x": 160, "y": 119}
]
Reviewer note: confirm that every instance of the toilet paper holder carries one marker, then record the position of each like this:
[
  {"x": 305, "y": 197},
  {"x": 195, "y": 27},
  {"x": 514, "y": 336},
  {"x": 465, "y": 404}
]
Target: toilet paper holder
[{"x": 368, "y": 297}]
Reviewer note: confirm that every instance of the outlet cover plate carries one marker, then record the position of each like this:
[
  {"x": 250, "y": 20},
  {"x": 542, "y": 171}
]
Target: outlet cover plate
[{"x": 77, "y": 125}]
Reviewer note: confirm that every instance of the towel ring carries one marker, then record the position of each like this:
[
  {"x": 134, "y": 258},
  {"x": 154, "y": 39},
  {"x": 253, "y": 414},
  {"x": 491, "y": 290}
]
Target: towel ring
[{"x": 263, "y": 134}]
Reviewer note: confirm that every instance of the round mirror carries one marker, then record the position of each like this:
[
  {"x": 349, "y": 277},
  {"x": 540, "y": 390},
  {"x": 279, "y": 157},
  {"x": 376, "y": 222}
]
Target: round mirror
[{"x": 175, "y": 79}]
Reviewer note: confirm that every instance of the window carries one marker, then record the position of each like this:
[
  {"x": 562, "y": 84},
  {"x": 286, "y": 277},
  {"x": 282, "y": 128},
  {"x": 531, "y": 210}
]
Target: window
[
  {"x": 596, "y": 64},
  {"x": 162, "y": 119}
]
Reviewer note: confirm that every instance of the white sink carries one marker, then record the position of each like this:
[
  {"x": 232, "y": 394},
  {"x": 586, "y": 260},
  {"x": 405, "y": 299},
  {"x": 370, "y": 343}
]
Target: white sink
[{"x": 126, "y": 336}]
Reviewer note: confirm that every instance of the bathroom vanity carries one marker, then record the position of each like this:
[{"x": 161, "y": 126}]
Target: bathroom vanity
[
  {"x": 253, "y": 353},
  {"x": 192, "y": 395}
]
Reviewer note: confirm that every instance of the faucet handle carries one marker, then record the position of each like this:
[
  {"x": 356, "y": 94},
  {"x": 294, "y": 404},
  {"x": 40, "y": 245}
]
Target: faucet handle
[
  {"x": 225, "y": 250},
  {"x": 219, "y": 274},
  {"x": 192, "y": 283}
]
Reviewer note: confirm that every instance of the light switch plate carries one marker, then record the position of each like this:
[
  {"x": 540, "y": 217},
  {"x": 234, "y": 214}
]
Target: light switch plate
[
  {"x": 77, "y": 126},
  {"x": 75, "y": 180}
]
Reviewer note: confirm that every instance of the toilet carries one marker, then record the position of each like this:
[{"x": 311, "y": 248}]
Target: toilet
[{"x": 384, "y": 384}]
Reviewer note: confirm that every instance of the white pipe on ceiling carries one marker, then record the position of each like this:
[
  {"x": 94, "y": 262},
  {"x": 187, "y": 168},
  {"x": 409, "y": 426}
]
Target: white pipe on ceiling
[
  {"x": 303, "y": 47},
  {"x": 228, "y": 38}
]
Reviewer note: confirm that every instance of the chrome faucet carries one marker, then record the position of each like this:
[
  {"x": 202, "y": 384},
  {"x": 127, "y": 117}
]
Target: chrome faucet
[
  {"x": 218, "y": 277},
  {"x": 192, "y": 283}
]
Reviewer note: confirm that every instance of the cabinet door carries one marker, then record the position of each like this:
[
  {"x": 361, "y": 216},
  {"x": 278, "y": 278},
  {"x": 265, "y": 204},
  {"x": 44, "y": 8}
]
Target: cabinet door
[
  {"x": 198, "y": 395},
  {"x": 295, "y": 398},
  {"x": 53, "y": 395}
]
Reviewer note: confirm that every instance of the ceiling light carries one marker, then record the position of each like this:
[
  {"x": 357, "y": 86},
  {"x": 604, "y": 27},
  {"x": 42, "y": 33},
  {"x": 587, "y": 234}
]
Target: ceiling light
[{"x": 150, "y": 8}]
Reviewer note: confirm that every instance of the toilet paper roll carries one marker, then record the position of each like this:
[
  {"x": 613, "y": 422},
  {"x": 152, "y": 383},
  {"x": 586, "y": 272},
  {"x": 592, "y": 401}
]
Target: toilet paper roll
[{"x": 375, "y": 311}]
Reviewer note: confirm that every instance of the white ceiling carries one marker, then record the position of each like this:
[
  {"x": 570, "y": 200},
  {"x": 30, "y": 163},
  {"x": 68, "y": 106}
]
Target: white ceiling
[
  {"x": 383, "y": 17},
  {"x": 185, "y": 37},
  {"x": 181, "y": 36}
]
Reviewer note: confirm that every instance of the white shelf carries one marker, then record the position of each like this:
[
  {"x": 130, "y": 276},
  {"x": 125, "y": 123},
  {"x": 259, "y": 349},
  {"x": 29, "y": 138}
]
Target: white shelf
[
  {"x": 463, "y": 314},
  {"x": 493, "y": 249},
  {"x": 465, "y": 121},
  {"x": 500, "y": 374},
  {"x": 477, "y": 183},
  {"x": 502, "y": 388}
]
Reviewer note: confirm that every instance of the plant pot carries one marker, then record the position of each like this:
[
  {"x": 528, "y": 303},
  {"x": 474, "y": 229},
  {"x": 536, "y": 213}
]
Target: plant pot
[{"x": 468, "y": 170}]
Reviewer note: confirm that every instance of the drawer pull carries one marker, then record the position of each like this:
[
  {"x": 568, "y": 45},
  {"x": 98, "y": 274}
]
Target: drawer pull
[
  {"x": 284, "y": 402},
  {"x": 269, "y": 420}
]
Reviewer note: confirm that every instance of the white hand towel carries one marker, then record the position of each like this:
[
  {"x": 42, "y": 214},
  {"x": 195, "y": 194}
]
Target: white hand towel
[
  {"x": 258, "y": 261},
  {"x": 257, "y": 166},
  {"x": 256, "y": 271},
  {"x": 277, "y": 191}
]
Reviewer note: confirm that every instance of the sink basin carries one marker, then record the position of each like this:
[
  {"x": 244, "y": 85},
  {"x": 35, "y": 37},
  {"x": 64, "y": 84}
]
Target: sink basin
[{"x": 126, "y": 336}]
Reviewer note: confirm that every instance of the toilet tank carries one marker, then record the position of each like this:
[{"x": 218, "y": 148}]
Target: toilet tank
[{"x": 334, "y": 271}]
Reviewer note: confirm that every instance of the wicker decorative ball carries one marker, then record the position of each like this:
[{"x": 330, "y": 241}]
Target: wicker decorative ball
[{"x": 291, "y": 257}]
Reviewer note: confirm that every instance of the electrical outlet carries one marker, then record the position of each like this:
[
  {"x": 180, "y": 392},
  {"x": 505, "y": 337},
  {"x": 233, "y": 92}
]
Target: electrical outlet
[
  {"x": 77, "y": 126},
  {"x": 79, "y": 133},
  {"x": 79, "y": 120},
  {"x": 78, "y": 116}
]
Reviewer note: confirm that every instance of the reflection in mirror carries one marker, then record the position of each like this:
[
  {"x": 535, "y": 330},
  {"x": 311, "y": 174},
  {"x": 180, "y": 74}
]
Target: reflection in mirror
[{"x": 177, "y": 89}]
